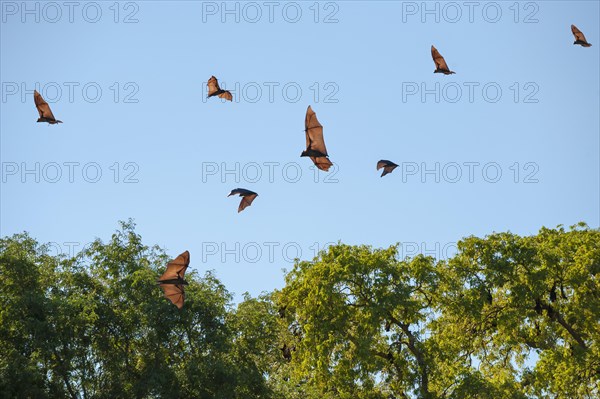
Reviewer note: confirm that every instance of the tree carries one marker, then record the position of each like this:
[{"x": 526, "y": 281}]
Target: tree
[
  {"x": 98, "y": 326},
  {"x": 29, "y": 366},
  {"x": 509, "y": 297},
  {"x": 506, "y": 317},
  {"x": 357, "y": 319},
  {"x": 364, "y": 324}
]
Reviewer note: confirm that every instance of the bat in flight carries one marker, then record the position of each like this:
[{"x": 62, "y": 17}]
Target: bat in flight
[
  {"x": 315, "y": 144},
  {"x": 172, "y": 281},
  {"x": 579, "y": 37},
  {"x": 247, "y": 197},
  {"x": 215, "y": 90},
  {"x": 44, "y": 109},
  {"x": 440, "y": 62},
  {"x": 388, "y": 166}
]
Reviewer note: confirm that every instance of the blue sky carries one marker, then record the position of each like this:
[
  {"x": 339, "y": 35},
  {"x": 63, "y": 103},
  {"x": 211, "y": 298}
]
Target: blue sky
[{"x": 524, "y": 102}]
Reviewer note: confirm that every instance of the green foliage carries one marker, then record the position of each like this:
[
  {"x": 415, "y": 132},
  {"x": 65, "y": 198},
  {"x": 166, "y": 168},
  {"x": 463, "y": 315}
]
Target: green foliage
[
  {"x": 98, "y": 326},
  {"x": 368, "y": 325},
  {"x": 507, "y": 317},
  {"x": 517, "y": 296}
]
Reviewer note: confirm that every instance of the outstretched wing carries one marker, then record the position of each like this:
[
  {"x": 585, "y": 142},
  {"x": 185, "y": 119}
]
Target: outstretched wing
[
  {"x": 322, "y": 163},
  {"x": 388, "y": 166},
  {"x": 246, "y": 201},
  {"x": 174, "y": 293},
  {"x": 440, "y": 62},
  {"x": 388, "y": 169},
  {"x": 314, "y": 133},
  {"x": 42, "y": 106},
  {"x": 213, "y": 85},
  {"x": 241, "y": 191},
  {"x": 176, "y": 268},
  {"x": 382, "y": 164},
  {"x": 226, "y": 95},
  {"x": 578, "y": 34}
]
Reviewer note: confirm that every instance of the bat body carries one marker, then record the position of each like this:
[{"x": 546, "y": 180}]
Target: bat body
[
  {"x": 388, "y": 166},
  {"x": 287, "y": 351},
  {"x": 215, "y": 90},
  {"x": 315, "y": 144},
  {"x": 579, "y": 37},
  {"x": 247, "y": 197},
  {"x": 312, "y": 153},
  {"x": 44, "y": 109},
  {"x": 172, "y": 281},
  {"x": 440, "y": 62}
]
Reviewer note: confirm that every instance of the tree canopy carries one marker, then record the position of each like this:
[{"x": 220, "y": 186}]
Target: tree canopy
[{"x": 508, "y": 316}]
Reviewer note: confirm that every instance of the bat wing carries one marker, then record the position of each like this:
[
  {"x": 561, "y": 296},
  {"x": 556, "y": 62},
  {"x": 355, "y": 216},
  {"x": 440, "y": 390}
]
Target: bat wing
[
  {"x": 322, "y": 163},
  {"x": 382, "y": 164},
  {"x": 388, "y": 169},
  {"x": 314, "y": 132},
  {"x": 388, "y": 166},
  {"x": 246, "y": 201},
  {"x": 174, "y": 293},
  {"x": 241, "y": 191},
  {"x": 213, "y": 85},
  {"x": 226, "y": 95},
  {"x": 176, "y": 268},
  {"x": 578, "y": 34},
  {"x": 440, "y": 62},
  {"x": 42, "y": 106}
]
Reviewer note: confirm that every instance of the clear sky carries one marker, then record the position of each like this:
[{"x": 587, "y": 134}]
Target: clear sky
[{"x": 510, "y": 142}]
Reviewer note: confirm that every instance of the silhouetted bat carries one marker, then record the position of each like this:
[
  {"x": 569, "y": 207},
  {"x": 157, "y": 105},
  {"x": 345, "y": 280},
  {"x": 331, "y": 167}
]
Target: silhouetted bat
[
  {"x": 388, "y": 166},
  {"x": 281, "y": 311},
  {"x": 247, "y": 197},
  {"x": 287, "y": 351},
  {"x": 44, "y": 109},
  {"x": 315, "y": 145},
  {"x": 172, "y": 281},
  {"x": 440, "y": 62},
  {"x": 215, "y": 90},
  {"x": 579, "y": 37}
]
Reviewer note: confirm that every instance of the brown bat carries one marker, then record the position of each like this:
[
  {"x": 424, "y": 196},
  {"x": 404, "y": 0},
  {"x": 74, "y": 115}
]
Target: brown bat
[
  {"x": 440, "y": 62},
  {"x": 388, "y": 166},
  {"x": 247, "y": 197},
  {"x": 44, "y": 109},
  {"x": 215, "y": 90},
  {"x": 172, "y": 281},
  {"x": 579, "y": 37},
  {"x": 315, "y": 144}
]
